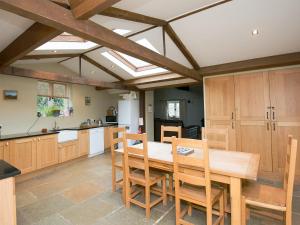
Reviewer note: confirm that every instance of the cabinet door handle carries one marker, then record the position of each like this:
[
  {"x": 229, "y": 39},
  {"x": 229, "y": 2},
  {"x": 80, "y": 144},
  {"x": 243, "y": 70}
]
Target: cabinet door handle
[
  {"x": 268, "y": 126},
  {"x": 273, "y": 115},
  {"x": 6, "y": 143},
  {"x": 232, "y": 115},
  {"x": 274, "y": 127},
  {"x": 267, "y": 115}
]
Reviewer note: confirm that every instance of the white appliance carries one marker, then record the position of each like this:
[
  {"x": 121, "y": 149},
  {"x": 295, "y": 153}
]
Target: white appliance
[
  {"x": 96, "y": 141},
  {"x": 128, "y": 115}
]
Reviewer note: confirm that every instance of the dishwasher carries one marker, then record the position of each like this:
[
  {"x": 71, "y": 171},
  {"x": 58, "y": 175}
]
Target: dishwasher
[{"x": 96, "y": 141}]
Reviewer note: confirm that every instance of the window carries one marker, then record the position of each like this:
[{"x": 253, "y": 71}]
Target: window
[
  {"x": 53, "y": 99},
  {"x": 173, "y": 110},
  {"x": 134, "y": 66}
]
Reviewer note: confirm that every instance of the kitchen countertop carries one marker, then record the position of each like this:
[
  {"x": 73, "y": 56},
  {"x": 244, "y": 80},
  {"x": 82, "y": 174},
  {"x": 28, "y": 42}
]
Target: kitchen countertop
[
  {"x": 33, "y": 134},
  {"x": 25, "y": 135},
  {"x": 7, "y": 170}
]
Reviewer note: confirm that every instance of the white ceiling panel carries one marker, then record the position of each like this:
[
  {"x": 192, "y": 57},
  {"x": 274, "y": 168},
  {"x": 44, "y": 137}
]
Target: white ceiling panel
[
  {"x": 224, "y": 33},
  {"x": 11, "y": 27},
  {"x": 72, "y": 64},
  {"x": 166, "y": 9},
  {"x": 38, "y": 61}
]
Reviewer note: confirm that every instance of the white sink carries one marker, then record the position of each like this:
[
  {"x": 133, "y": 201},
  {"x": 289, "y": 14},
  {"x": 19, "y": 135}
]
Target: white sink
[{"x": 67, "y": 135}]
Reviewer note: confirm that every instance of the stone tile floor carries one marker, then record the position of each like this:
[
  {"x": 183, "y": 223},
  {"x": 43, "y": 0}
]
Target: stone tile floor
[{"x": 79, "y": 193}]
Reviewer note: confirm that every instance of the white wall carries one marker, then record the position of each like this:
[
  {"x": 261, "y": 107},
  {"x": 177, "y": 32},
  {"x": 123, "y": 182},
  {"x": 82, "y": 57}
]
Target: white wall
[
  {"x": 16, "y": 116},
  {"x": 149, "y": 102}
]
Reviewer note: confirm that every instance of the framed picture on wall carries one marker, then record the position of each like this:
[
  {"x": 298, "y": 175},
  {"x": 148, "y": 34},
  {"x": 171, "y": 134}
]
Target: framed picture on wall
[
  {"x": 10, "y": 94},
  {"x": 87, "y": 100}
]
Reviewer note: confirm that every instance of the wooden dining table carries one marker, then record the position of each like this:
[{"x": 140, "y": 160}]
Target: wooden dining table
[{"x": 228, "y": 167}]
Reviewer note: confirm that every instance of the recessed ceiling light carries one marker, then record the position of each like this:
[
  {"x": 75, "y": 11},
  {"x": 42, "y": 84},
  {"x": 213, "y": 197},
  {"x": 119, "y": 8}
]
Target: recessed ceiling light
[
  {"x": 54, "y": 51},
  {"x": 112, "y": 66},
  {"x": 254, "y": 32}
]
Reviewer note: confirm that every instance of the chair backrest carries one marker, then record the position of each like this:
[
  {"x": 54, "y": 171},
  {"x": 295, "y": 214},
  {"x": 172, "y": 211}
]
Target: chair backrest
[
  {"x": 117, "y": 136},
  {"x": 132, "y": 152},
  {"x": 216, "y": 137},
  {"x": 192, "y": 169},
  {"x": 290, "y": 167},
  {"x": 172, "y": 129}
]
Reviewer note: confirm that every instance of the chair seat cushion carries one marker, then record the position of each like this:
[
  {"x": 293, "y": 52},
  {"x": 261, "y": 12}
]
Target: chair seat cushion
[
  {"x": 198, "y": 193},
  {"x": 264, "y": 194}
]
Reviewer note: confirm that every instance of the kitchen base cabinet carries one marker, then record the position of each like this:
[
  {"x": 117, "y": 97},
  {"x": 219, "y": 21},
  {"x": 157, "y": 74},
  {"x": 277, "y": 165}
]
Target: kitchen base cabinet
[
  {"x": 4, "y": 151},
  {"x": 8, "y": 202},
  {"x": 84, "y": 142},
  {"x": 22, "y": 154},
  {"x": 47, "y": 152},
  {"x": 68, "y": 151}
]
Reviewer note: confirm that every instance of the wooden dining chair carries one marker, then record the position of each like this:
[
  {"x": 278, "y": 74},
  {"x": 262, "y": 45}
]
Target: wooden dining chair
[
  {"x": 271, "y": 198},
  {"x": 216, "y": 137},
  {"x": 192, "y": 182},
  {"x": 117, "y": 136},
  {"x": 137, "y": 172},
  {"x": 168, "y": 139}
]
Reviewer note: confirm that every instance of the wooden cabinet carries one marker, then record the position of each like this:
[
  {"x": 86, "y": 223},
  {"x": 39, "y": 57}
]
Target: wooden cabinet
[
  {"x": 83, "y": 142},
  {"x": 284, "y": 93},
  {"x": 219, "y": 98},
  {"x": 4, "y": 151},
  {"x": 252, "y": 99},
  {"x": 68, "y": 151},
  {"x": 47, "y": 152},
  {"x": 106, "y": 138},
  {"x": 22, "y": 154},
  {"x": 255, "y": 137},
  {"x": 266, "y": 110}
]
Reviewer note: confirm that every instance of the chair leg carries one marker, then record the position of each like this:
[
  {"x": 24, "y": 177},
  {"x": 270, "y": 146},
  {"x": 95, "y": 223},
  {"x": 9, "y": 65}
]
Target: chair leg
[
  {"x": 128, "y": 191},
  {"x": 209, "y": 215},
  {"x": 222, "y": 208},
  {"x": 147, "y": 196},
  {"x": 190, "y": 209},
  {"x": 164, "y": 191},
  {"x": 113, "y": 178},
  {"x": 178, "y": 210},
  {"x": 288, "y": 217},
  {"x": 244, "y": 211},
  {"x": 171, "y": 186}
]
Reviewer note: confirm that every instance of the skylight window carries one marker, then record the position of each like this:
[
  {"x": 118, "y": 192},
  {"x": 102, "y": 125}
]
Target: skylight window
[
  {"x": 57, "y": 45},
  {"x": 121, "y": 31},
  {"x": 134, "y": 66}
]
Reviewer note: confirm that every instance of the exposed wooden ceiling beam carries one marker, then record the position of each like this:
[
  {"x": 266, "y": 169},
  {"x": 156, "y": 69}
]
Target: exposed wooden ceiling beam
[
  {"x": 153, "y": 79},
  {"x": 103, "y": 68},
  {"x": 172, "y": 34},
  {"x": 189, "y": 83},
  {"x": 50, "y": 56},
  {"x": 32, "y": 38},
  {"x": 131, "y": 16},
  {"x": 42, "y": 75},
  {"x": 60, "y": 18},
  {"x": 252, "y": 64},
  {"x": 84, "y": 9}
]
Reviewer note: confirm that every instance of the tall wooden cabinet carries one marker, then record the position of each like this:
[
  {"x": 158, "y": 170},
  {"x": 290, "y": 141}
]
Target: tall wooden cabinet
[
  {"x": 219, "y": 106},
  {"x": 266, "y": 109}
]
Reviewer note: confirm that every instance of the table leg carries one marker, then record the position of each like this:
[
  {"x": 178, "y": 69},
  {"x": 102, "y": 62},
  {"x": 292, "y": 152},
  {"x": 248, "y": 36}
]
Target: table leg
[{"x": 236, "y": 198}]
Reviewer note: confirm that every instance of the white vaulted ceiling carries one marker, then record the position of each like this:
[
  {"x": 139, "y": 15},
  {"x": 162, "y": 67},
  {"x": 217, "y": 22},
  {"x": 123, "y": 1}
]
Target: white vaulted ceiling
[{"x": 214, "y": 36}]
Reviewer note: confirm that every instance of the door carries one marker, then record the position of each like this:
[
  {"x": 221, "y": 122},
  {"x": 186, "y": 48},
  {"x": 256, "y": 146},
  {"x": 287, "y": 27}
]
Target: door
[
  {"x": 4, "y": 151},
  {"x": 84, "y": 142},
  {"x": 255, "y": 137},
  {"x": 252, "y": 97},
  {"x": 47, "y": 152},
  {"x": 23, "y": 154},
  {"x": 230, "y": 125},
  {"x": 219, "y": 98}
]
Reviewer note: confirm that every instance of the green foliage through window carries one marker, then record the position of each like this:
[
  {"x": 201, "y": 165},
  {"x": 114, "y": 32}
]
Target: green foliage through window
[{"x": 54, "y": 107}]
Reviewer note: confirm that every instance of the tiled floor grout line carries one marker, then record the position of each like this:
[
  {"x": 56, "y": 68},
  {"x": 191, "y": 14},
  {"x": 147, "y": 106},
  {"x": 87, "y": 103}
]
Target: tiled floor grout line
[
  {"x": 164, "y": 215},
  {"x": 114, "y": 211}
]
